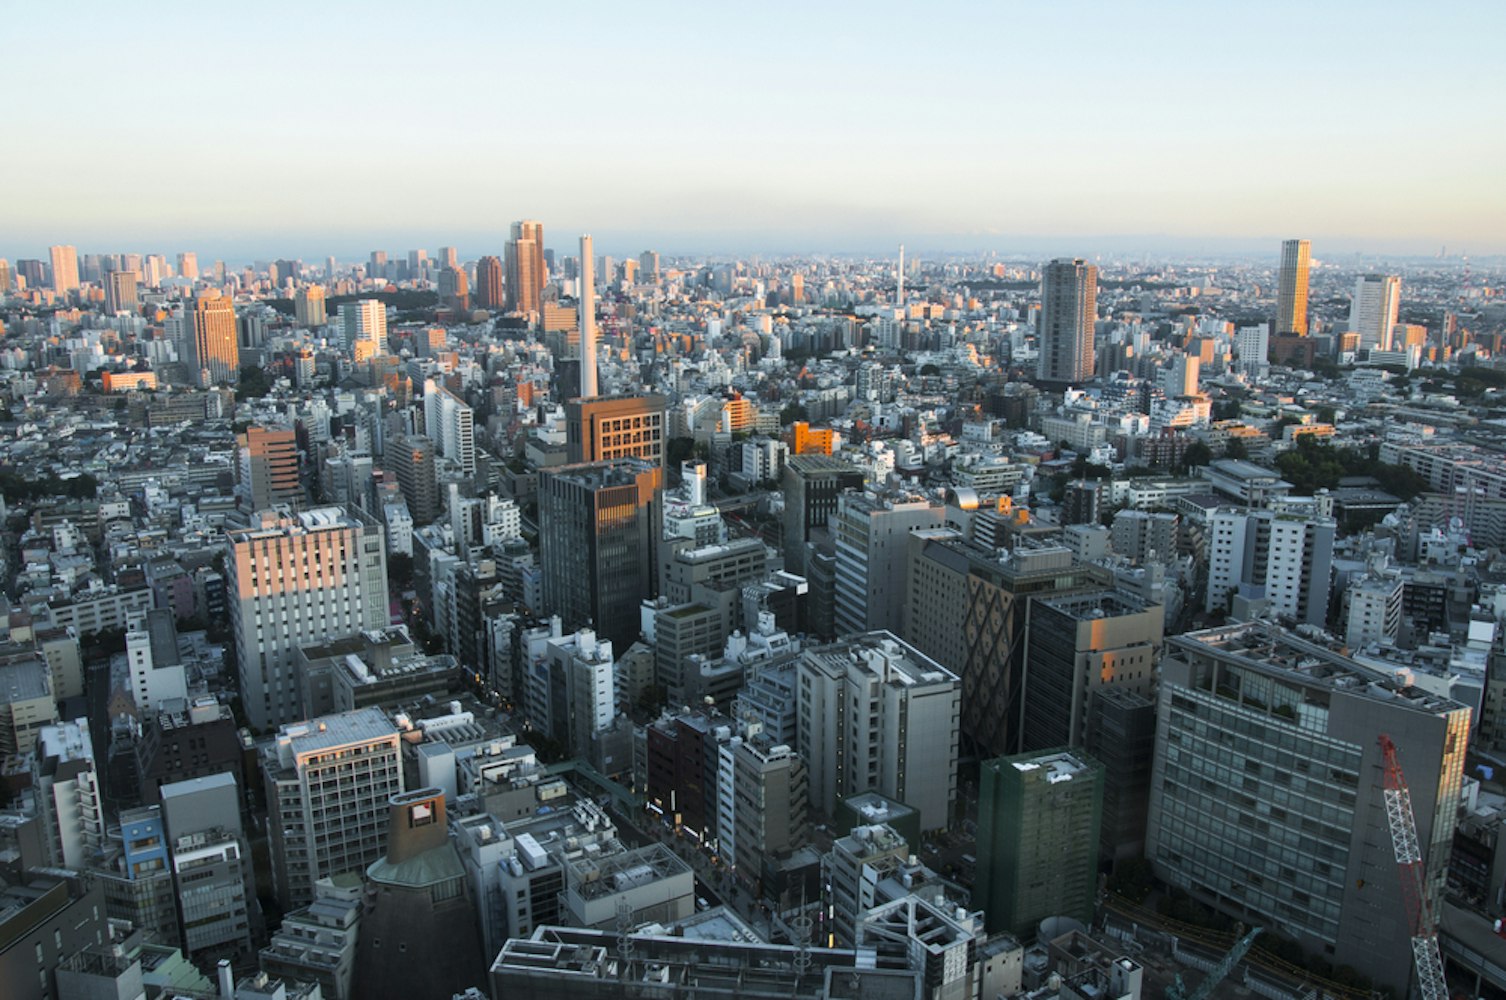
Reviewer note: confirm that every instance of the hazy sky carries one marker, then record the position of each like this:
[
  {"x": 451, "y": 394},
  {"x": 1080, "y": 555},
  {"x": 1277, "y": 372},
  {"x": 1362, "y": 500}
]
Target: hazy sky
[{"x": 313, "y": 128}]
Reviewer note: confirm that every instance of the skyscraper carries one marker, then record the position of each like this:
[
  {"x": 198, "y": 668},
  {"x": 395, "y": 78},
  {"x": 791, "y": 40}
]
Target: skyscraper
[
  {"x": 188, "y": 265},
  {"x": 648, "y": 267},
  {"x": 365, "y": 320},
  {"x": 1373, "y": 311},
  {"x": 296, "y": 579},
  {"x": 309, "y": 308},
  {"x": 525, "y": 266},
  {"x": 454, "y": 288},
  {"x": 450, "y": 424},
  {"x": 877, "y": 714},
  {"x": 598, "y": 540},
  {"x": 120, "y": 292},
  {"x": 268, "y": 460},
  {"x": 607, "y": 427},
  {"x": 212, "y": 344},
  {"x": 329, "y": 781},
  {"x": 1291, "y": 290},
  {"x": 412, "y": 460},
  {"x": 64, "y": 268},
  {"x": 1268, "y": 801},
  {"x": 587, "y": 319},
  {"x": 489, "y": 292},
  {"x": 1038, "y": 819},
  {"x": 378, "y": 268},
  {"x": 1069, "y": 309}
]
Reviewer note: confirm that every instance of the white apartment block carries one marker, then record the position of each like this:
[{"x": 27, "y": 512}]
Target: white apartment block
[{"x": 449, "y": 423}]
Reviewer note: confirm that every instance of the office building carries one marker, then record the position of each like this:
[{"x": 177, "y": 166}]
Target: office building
[
  {"x": 213, "y": 355},
  {"x": 871, "y": 533},
  {"x": 27, "y": 705},
  {"x": 188, "y": 265},
  {"x": 763, "y": 798},
  {"x": 120, "y": 292},
  {"x": 328, "y": 784},
  {"x": 525, "y": 267},
  {"x": 69, "y": 793},
  {"x": 45, "y": 918},
  {"x": 317, "y": 944},
  {"x": 364, "y": 322},
  {"x": 812, "y": 484},
  {"x": 156, "y": 670},
  {"x": 267, "y": 460},
  {"x": 587, "y": 320},
  {"x": 188, "y": 739},
  {"x": 1291, "y": 288},
  {"x": 1268, "y": 798},
  {"x": 450, "y": 423},
  {"x": 600, "y": 428},
  {"x": 968, "y": 610},
  {"x": 64, "y": 269},
  {"x": 1373, "y": 310},
  {"x": 1069, "y": 310},
  {"x": 1038, "y": 818},
  {"x": 1144, "y": 537},
  {"x": 648, "y": 267},
  {"x": 876, "y": 714},
  {"x": 1375, "y": 608},
  {"x": 1252, "y": 345},
  {"x": 454, "y": 289},
  {"x": 1260, "y": 558},
  {"x": 296, "y": 578},
  {"x": 1076, "y": 644},
  {"x": 489, "y": 283},
  {"x": 309, "y": 309},
  {"x": 1082, "y": 502},
  {"x": 598, "y": 540},
  {"x": 411, "y": 458},
  {"x": 1121, "y": 735},
  {"x": 211, "y": 864},
  {"x": 419, "y": 904}
]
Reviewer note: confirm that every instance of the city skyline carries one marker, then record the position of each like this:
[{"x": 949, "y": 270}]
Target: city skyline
[{"x": 1175, "y": 130}]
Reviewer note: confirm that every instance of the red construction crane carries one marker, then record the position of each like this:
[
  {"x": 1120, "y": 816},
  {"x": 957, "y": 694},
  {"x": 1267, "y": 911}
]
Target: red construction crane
[{"x": 1409, "y": 861}]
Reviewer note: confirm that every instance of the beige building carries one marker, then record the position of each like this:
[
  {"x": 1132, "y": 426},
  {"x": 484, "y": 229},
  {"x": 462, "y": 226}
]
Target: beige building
[{"x": 297, "y": 579}]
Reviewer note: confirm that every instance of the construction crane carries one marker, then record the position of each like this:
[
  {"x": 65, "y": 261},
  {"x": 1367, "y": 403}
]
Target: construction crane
[
  {"x": 1425, "y": 955},
  {"x": 1178, "y": 990}
]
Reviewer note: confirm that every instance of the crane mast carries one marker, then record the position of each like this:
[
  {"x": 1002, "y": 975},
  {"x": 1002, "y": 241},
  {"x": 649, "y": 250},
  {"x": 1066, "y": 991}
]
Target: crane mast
[{"x": 1426, "y": 957}]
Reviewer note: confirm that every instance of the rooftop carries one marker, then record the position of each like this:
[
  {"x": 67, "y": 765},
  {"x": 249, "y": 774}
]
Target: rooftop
[{"x": 327, "y": 731}]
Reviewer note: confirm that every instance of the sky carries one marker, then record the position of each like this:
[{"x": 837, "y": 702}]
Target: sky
[{"x": 298, "y": 129}]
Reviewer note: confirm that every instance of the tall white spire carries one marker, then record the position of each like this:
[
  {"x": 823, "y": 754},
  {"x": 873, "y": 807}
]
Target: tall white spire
[
  {"x": 899, "y": 286},
  {"x": 587, "y": 299}
]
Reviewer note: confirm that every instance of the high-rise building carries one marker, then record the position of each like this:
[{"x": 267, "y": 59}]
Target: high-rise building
[
  {"x": 969, "y": 609},
  {"x": 210, "y": 860},
  {"x": 871, "y": 533},
  {"x": 599, "y": 428},
  {"x": 1038, "y": 819},
  {"x": 120, "y": 292},
  {"x": 412, "y": 459},
  {"x": 489, "y": 283},
  {"x": 811, "y": 485},
  {"x": 267, "y": 458},
  {"x": 648, "y": 267},
  {"x": 1253, "y": 346},
  {"x": 598, "y": 539},
  {"x": 1374, "y": 309},
  {"x": 454, "y": 288},
  {"x": 1069, "y": 310},
  {"x": 64, "y": 268},
  {"x": 309, "y": 308},
  {"x": 188, "y": 265},
  {"x": 69, "y": 792},
  {"x": 587, "y": 321},
  {"x": 365, "y": 321},
  {"x": 329, "y": 781},
  {"x": 212, "y": 344},
  {"x": 525, "y": 266},
  {"x": 763, "y": 799},
  {"x": 377, "y": 270},
  {"x": 450, "y": 424},
  {"x": 1291, "y": 288},
  {"x": 1076, "y": 644},
  {"x": 1264, "y": 555},
  {"x": 1268, "y": 798},
  {"x": 296, "y": 579},
  {"x": 876, "y": 714},
  {"x": 7, "y": 276}
]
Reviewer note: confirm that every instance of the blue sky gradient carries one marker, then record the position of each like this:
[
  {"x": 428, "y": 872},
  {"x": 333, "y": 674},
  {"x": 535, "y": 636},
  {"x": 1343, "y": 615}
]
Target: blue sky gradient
[{"x": 279, "y": 128}]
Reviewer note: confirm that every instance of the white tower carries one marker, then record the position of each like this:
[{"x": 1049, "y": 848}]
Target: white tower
[
  {"x": 587, "y": 319},
  {"x": 899, "y": 285}
]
